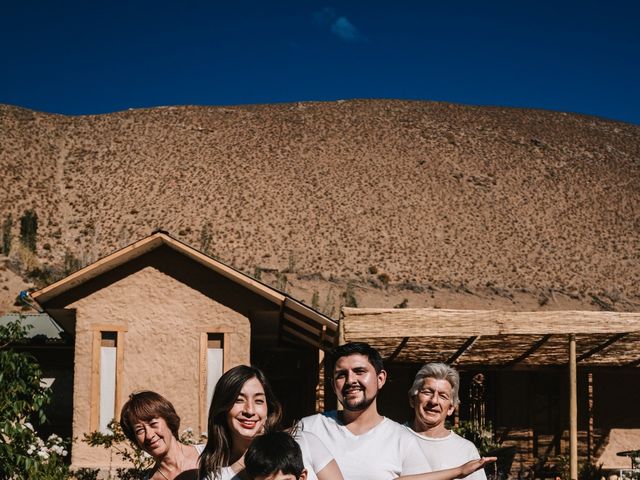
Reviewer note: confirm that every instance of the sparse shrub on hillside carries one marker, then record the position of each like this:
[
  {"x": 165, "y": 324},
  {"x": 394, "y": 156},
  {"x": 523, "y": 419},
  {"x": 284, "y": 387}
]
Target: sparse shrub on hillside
[
  {"x": 403, "y": 304},
  {"x": 291, "y": 265},
  {"x": 281, "y": 282},
  {"x": 373, "y": 269},
  {"x": 71, "y": 263},
  {"x": 257, "y": 273},
  {"x": 384, "y": 278},
  {"x": 206, "y": 237},
  {"x": 328, "y": 306},
  {"x": 24, "y": 259},
  {"x": 45, "y": 275},
  {"x": 29, "y": 229},
  {"x": 349, "y": 295},
  {"x": 411, "y": 285},
  {"x": 315, "y": 300},
  {"x": 7, "y": 235}
]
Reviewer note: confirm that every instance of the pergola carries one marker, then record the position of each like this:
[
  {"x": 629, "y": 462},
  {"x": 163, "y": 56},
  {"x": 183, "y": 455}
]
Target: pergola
[{"x": 493, "y": 338}]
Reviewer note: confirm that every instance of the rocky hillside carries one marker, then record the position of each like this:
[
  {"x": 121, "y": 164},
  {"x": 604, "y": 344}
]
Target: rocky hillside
[{"x": 369, "y": 201}]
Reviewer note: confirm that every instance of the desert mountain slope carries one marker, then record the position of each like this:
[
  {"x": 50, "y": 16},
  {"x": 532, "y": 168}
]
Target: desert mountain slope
[{"x": 431, "y": 195}]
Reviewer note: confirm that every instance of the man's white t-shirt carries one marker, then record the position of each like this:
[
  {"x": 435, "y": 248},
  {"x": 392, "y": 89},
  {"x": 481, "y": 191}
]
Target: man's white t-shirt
[
  {"x": 315, "y": 454},
  {"x": 449, "y": 452},
  {"x": 385, "y": 452}
]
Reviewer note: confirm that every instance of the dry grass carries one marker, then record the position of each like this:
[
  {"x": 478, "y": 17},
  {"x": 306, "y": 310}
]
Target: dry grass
[{"x": 487, "y": 204}]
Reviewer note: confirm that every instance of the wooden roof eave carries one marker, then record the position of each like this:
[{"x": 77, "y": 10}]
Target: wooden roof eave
[
  {"x": 380, "y": 323},
  {"x": 497, "y": 338}
]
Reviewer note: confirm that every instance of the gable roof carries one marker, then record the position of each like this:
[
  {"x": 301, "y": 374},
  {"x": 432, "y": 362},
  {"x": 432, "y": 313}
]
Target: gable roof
[{"x": 298, "y": 321}]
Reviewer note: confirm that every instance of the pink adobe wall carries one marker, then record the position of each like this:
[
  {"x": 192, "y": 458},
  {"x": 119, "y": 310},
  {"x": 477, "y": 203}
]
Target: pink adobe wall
[{"x": 163, "y": 319}]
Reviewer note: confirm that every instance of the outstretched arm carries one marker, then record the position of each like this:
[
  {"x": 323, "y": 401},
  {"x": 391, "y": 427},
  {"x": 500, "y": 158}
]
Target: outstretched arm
[{"x": 452, "y": 473}]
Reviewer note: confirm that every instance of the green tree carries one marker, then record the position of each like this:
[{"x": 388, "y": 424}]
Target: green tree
[
  {"x": 29, "y": 229},
  {"x": 23, "y": 454},
  {"x": 7, "y": 235}
]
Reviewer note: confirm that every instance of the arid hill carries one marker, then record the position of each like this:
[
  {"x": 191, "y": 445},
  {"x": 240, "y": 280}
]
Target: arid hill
[{"x": 369, "y": 201}]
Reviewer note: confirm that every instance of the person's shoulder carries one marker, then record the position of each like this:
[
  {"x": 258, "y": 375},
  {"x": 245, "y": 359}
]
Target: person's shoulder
[
  {"x": 330, "y": 417},
  {"x": 463, "y": 443},
  {"x": 391, "y": 428}
]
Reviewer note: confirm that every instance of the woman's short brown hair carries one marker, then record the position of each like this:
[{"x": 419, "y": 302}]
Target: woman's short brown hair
[{"x": 144, "y": 406}]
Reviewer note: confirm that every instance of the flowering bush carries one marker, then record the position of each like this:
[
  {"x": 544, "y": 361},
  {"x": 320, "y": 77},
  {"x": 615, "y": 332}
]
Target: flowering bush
[
  {"x": 117, "y": 442},
  {"x": 23, "y": 454}
]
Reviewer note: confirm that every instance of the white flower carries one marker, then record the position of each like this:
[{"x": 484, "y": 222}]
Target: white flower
[
  {"x": 31, "y": 449},
  {"x": 29, "y": 426},
  {"x": 43, "y": 454},
  {"x": 188, "y": 430}
]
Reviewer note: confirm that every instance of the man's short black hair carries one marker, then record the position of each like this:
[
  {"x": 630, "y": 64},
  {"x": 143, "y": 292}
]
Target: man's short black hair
[
  {"x": 361, "y": 348},
  {"x": 271, "y": 453}
]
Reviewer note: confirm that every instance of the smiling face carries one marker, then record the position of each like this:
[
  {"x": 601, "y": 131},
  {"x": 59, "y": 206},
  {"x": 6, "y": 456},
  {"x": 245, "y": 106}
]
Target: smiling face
[
  {"x": 356, "y": 382},
  {"x": 154, "y": 436},
  {"x": 432, "y": 405},
  {"x": 247, "y": 416}
]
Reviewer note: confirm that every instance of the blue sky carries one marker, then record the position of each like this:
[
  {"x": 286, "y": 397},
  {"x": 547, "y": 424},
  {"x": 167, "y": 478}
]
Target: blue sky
[{"x": 78, "y": 57}]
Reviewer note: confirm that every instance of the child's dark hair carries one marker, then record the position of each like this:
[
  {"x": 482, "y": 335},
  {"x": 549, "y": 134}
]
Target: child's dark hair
[{"x": 273, "y": 452}]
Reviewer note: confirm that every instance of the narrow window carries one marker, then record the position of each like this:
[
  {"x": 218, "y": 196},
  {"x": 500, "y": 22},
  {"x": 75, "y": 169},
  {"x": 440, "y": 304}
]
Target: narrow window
[
  {"x": 108, "y": 361},
  {"x": 215, "y": 362}
]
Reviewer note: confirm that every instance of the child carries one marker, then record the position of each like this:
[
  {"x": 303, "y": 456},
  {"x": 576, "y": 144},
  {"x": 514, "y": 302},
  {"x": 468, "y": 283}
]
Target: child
[{"x": 274, "y": 456}]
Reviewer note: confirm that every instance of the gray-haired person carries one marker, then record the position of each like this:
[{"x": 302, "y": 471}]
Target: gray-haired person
[{"x": 433, "y": 397}]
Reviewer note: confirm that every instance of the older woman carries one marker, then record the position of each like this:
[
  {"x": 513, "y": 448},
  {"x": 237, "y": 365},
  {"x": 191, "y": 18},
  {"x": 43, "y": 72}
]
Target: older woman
[
  {"x": 149, "y": 421},
  {"x": 244, "y": 406}
]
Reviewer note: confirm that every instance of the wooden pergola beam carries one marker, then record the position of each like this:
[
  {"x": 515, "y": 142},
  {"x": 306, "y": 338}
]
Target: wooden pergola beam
[
  {"x": 602, "y": 346},
  {"x": 529, "y": 351},
  {"x": 398, "y": 349},
  {"x": 465, "y": 346}
]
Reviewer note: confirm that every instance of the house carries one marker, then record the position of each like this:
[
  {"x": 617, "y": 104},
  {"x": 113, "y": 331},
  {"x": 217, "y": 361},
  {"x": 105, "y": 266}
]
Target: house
[{"x": 160, "y": 315}]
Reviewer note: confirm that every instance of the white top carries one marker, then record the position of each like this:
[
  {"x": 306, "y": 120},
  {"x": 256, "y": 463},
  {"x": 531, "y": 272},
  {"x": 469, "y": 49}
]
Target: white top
[
  {"x": 386, "y": 451},
  {"x": 314, "y": 455},
  {"x": 448, "y": 452}
]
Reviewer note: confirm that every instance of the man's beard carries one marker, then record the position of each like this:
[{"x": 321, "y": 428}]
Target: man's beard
[{"x": 359, "y": 405}]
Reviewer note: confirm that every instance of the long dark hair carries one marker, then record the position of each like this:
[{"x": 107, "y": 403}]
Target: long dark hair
[{"x": 217, "y": 451}]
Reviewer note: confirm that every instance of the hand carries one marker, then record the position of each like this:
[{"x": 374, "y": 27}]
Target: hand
[{"x": 474, "y": 465}]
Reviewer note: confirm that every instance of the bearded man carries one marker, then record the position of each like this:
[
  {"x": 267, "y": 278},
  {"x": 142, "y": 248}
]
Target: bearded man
[
  {"x": 366, "y": 445},
  {"x": 433, "y": 397}
]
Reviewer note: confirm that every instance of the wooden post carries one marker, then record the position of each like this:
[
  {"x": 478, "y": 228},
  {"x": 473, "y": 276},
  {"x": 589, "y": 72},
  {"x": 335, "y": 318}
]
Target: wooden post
[
  {"x": 320, "y": 391},
  {"x": 573, "y": 409},
  {"x": 341, "y": 341},
  {"x": 590, "y": 406}
]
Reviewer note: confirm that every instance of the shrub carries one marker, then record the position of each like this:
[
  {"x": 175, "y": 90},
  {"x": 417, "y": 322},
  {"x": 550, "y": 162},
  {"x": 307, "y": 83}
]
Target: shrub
[
  {"x": 349, "y": 296},
  {"x": 29, "y": 229},
  {"x": 116, "y": 441},
  {"x": 23, "y": 454},
  {"x": 7, "y": 235}
]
